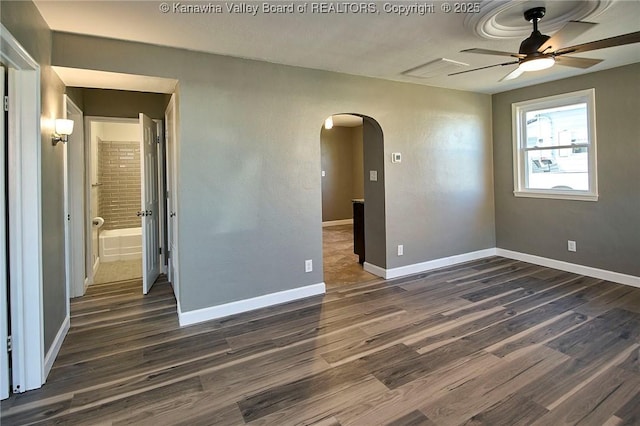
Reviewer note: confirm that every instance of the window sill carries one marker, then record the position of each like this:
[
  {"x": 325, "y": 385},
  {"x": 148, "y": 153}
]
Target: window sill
[{"x": 558, "y": 195}]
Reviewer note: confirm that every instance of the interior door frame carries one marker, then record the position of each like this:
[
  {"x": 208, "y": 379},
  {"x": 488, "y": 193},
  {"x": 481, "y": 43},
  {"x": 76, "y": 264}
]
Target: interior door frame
[
  {"x": 74, "y": 208},
  {"x": 24, "y": 209},
  {"x": 162, "y": 190},
  {"x": 171, "y": 149},
  {"x": 4, "y": 313},
  {"x": 89, "y": 264}
]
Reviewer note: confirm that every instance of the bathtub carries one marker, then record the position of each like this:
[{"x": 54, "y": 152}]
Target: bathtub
[{"x": 120, "y": 244}]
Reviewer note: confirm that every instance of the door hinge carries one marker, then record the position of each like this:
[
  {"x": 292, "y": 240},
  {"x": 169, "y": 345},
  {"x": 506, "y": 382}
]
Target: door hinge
[
  {"x": 9, "y": 344},
  {"x": 160, "y": 250},
  {"x": 6, "y": 103},
  {"x": 168, "y": 254},
  {"x": 158, "y": 139}
]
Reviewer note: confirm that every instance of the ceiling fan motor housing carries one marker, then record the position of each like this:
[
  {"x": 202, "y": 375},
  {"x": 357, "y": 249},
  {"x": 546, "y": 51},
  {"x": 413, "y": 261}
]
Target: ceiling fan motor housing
[{"x": 530, "y": 45}]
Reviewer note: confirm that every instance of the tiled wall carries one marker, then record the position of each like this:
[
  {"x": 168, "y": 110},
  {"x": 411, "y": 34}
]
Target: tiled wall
[{"x": 119, "y": 175}]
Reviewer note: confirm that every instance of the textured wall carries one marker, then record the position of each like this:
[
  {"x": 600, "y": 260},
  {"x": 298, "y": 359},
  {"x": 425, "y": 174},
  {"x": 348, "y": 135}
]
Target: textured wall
[
  {"x": 123, "y": 104},
  {"x": 119, "y": 175},
  {"x": 249, "y": 181},
  {"x": 337, "y": 162},
  {"x": 607, "y": 232}
]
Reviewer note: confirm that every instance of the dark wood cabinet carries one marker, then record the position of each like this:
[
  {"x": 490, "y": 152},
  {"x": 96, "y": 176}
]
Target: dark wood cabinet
[{"x": 358, "y": 229}]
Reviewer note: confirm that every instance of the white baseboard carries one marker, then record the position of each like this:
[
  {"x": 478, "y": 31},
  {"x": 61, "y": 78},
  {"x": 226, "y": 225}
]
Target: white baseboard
[
  {"x": 416, "y": 268},
  {"x": 55, "y": 346},
  {"x": 337, "y": 222},
  {"x": 219, "y": 311},
  {"x": 206, "y": 314},
  {"x": 589, "y": 271}
]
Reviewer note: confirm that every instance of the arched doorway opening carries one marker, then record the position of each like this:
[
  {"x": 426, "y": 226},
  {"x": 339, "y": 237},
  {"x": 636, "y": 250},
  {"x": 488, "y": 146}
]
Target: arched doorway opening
[{"x": 353, "y": 198}]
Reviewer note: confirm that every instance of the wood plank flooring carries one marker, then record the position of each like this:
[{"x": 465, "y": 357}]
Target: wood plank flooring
[{"x": 489, "y": 342}]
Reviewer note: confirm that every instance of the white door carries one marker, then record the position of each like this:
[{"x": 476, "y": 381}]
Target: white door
[
  {"x": 4, "y": 313},
  {"x": 172, "y": 203},
  {"x": 149, "y": 200}
]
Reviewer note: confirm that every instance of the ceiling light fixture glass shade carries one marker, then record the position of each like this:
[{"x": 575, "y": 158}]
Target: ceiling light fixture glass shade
[
  {"x": 328, "y": 123},
  {"x": 537, "y": 64}
]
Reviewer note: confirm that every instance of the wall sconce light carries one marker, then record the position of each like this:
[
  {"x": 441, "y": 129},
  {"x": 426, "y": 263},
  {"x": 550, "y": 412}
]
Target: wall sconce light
[
  {"x": 328, "y": 123},
  {"x": 64, "y": 128}
]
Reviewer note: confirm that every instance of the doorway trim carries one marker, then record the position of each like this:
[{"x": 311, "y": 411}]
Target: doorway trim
[
  {"x": 88, "y": 119},
  {"x": 75, "y": 229},
  {"x": 24, "y": 209}
]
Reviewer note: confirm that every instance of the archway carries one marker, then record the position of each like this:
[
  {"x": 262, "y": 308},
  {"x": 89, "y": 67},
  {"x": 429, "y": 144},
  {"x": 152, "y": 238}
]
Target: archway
[{"x": 353, "y": 198}]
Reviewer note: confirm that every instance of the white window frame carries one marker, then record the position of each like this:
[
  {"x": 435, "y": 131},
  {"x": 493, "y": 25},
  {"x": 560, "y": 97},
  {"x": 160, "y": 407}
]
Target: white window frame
[{"x": 518, "y": 118}]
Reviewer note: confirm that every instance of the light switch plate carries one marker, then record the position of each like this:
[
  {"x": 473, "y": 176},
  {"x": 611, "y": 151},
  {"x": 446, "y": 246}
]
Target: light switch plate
[
  {"x": 373, "y": 175},
  {"x": 396, "y": 157}
]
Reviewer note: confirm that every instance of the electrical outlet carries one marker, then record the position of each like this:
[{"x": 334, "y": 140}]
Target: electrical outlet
[
  {"x": 571, "y": 245},
  {"x": 400, "y": 249},
  {"x": 373, "y": 175},
  {"x": 308, "y": 265}
]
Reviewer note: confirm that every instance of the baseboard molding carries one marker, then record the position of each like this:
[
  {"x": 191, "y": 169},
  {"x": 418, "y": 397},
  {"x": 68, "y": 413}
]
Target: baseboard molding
[
  {"x": 375, "y": 270},
  {"x": 55, "y": 346},
  {"x": 232, "y": 308},
  {"x": 337, "y": 222},
  {"x": 417, "y": 268},
  {"x": 589, "y": 271},
  {"x": 206, "y": 314}
]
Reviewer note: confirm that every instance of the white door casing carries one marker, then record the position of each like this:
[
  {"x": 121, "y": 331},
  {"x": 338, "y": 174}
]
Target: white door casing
[
  {"x": 75, "y": 203},
  {"x": 149, "y": 203},
  {"x": 172, "y": 203},
  {"x": 162, "y": 212},
  {"x": 24, "y": 210},
  {"x": 4, "y": 313}
]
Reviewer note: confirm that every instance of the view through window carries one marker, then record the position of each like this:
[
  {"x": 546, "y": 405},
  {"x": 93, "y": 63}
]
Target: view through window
[{"x": 555, "y": 145}]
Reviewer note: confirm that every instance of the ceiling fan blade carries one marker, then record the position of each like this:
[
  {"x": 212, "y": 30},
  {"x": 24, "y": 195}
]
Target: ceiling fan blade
[
  {"x": 492, "y": 52},
  {"x": 565, "y": 34},
  {"x": 513, "y": 74},
  {"x": 483, "y": 68},
  {"x": 601, "y": 44},
  {"x": 570, "y": 61}
]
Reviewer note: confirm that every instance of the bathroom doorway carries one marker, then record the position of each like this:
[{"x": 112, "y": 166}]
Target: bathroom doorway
[
  {"x": 114, "y": 246},
  {"x": 351, "y": 148}
]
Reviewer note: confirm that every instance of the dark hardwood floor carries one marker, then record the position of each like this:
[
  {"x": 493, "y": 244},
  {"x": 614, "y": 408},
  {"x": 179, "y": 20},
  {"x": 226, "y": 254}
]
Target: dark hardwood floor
[{"x": 493, "y": 342}]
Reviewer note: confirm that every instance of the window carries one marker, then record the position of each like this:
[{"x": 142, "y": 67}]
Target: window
[{"x": 554, "y": 146}]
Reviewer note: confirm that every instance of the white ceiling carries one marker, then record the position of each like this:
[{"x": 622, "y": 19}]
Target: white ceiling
[{"x": 382, "y": 45}]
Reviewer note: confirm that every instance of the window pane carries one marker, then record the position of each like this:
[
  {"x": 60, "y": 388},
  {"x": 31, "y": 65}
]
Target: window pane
[
  {"x": 558, "y": 169},
  {"x": 563, "y": 125}
]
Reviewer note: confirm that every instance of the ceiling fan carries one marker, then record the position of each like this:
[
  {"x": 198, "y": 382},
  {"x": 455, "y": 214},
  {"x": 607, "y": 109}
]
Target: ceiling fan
[{"x": 539, "y": 51}]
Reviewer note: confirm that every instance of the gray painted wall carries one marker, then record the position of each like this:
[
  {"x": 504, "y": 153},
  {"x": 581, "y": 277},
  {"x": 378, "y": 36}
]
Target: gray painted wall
[
  {"x": 375, "y": 225},
  {"x": 358, "y": 162},
  {"x": 123, "y": 104},
  {"x": 607, "y": 232},
  {"x": 24, "y": 22},
  {"x": 343, "y": 173},
  {"x": 249, "y": 157}
]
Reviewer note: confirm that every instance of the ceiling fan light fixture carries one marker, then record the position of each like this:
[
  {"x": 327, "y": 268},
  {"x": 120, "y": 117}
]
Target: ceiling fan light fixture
[{"x": 537, "y": 64}]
